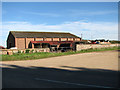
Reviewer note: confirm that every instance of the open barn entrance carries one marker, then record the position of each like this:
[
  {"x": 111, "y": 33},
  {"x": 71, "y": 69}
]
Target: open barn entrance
[
  {"x": 45, "y": 45},
  {"x": 54, "y": 45},
  {"x": 41, "y": 45},
  {"x": 64, "y": 47},
  {"x": 37, "y": 45}
]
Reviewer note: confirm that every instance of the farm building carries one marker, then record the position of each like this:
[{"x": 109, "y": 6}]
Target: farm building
[
  {"x": 24, "y": 39},
  {"x": 1, "y": 47}
]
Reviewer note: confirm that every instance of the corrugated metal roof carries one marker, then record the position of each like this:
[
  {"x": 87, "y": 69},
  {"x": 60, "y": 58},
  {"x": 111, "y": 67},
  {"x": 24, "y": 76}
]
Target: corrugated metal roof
[{"x": 43, "y": 34}]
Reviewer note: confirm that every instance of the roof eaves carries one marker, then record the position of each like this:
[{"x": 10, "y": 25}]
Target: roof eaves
[{"x": 12, "y": 32}]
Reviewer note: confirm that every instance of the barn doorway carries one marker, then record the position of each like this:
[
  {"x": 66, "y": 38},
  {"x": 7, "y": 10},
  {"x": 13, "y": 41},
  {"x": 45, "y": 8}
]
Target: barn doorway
[
  {"x": 37, "y": 45},
  {"x": 45, "y": 45},
  {"x": 65, "y": 45}
]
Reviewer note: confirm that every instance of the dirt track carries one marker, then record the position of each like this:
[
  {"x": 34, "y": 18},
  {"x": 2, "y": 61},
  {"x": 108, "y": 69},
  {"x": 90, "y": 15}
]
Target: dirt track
[{"x": 99, "y": 60}]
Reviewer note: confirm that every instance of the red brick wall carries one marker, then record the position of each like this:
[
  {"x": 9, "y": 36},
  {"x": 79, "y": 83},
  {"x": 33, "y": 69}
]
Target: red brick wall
[
  {"x": 55, "y": 39},
  {"x": 28, "y": 41},
  {"x": 20, "y": 43},
  {"x": 39, "y": 39},
  {"x": 63, "y": 39},
  {"x": 77, "y": 39},
  {"x": 48, "y": 39},
  {"x": 70, "y": 39}
]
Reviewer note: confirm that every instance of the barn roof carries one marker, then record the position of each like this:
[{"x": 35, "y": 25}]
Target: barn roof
[
  {"x": 22, "y": 34},
  {"x": 1, "y": 47}
]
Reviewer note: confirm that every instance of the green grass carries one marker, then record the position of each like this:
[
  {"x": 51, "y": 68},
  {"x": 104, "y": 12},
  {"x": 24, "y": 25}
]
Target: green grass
[{"x": 40, "y": 55}]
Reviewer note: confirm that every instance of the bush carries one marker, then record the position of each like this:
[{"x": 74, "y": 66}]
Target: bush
[
  {"x": 27, "y": 51},
  {"x": 115, "y": 42},
  {"x": 32, "y": 50},
  {"x": 19, "y": 51},
  {"x": 22, "y": 51}
]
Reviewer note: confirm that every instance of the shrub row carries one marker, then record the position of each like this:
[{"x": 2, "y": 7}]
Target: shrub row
[{"x": 26, "y": 51}]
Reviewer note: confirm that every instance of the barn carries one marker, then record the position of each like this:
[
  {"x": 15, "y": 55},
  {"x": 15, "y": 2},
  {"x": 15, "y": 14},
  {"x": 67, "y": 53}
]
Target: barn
[{"x": 27, "y": 39}]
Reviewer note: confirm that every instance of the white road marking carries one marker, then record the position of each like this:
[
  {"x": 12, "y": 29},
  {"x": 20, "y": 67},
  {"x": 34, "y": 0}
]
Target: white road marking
[{"x": 72, "y": 83}]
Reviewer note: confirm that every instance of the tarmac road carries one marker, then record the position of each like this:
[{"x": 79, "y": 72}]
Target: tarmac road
[{"x": 87, "y": 70}]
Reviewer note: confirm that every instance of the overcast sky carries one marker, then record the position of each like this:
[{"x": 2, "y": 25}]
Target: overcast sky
[{"x": 94, "y": 20}]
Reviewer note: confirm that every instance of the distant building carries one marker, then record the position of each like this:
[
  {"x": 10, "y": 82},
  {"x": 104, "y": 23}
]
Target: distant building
[
  {"x": 1, "y": 47},
  {"x": 24, "y": 40},
  {"x": 100, "y": 41}
]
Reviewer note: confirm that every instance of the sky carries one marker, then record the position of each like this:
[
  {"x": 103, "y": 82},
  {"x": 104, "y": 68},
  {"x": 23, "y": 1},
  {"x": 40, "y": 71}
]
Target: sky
[{"x": 94, "y": 20}]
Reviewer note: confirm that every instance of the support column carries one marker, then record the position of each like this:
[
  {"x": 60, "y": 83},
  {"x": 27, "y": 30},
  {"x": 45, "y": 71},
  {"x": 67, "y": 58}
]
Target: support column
[
  {"x": 67, "y": 39},
  {"x": 32, "y": 46},
  {"x": 40, "y": 45},
  {"x": 58, "y": 45},
  {"x": 71, "y": 45},
  {"x": 52, "y": 39},
  {"x": 73, "y": 39},
  {"x": 34, "y": 39},
  {"x": 25, "y": 42},
  {"x": 59, "y": 39},
  {"x": 43, "y": 39},
  {"x": 26, "y": 46}
]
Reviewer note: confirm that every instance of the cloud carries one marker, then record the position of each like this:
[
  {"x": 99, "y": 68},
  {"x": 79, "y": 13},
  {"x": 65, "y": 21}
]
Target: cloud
[{"x": 90, "y": 30}]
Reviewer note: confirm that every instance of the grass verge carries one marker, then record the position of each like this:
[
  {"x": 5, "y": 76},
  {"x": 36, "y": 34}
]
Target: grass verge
[{"x": 40, "y": 55}]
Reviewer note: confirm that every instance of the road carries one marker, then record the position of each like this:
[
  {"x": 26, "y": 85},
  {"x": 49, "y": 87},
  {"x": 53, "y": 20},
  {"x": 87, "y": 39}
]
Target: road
[{"x": 86, "y": 70}]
